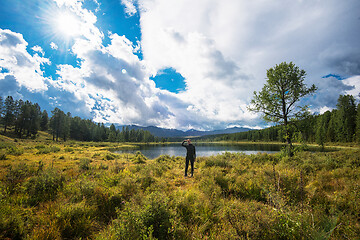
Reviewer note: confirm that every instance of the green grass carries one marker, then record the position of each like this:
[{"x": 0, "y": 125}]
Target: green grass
[{"x": 77, "y": 190}]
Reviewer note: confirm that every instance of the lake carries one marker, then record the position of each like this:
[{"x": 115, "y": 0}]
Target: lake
[{"x": 203, "y": 149}]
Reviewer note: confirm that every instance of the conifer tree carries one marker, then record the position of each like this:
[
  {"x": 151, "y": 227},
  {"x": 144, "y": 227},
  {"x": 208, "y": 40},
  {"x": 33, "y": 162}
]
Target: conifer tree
[
  {"x": 9, "y": 108},
  {"x": 345, "y": 118},
  {"x": 358, "y": 124},
  {"x": 44, "y": 122}
]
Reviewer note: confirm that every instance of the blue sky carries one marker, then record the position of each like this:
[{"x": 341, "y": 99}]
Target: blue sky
[{"x": 173, "y": 63}]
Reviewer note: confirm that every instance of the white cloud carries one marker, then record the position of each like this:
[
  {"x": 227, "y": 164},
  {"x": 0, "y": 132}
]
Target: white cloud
[
  {"x": 38, "y": 49},
  {"x": 129, "y": 6},
  {"x": 25, "y": 68},
  {"x": 54, "y": 46},
  {"x": 355, "y": 83},
  {"x": 110, "y": 93},
  {"x": 223, "y": 49}
]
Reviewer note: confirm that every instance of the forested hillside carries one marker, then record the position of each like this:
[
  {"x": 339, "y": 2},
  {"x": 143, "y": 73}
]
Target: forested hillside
[
  {"x": 339, "y": 125},
  {"x": 25, "y": 119}
]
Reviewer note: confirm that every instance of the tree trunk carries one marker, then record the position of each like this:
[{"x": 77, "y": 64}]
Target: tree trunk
[{"x": 288, "y": 138}]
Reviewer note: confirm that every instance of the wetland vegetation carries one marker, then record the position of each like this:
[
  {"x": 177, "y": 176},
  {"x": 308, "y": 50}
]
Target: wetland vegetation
[{"x": 82, "y": 190}]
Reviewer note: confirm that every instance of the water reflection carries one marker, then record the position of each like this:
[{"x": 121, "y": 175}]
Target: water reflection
[{"x": 203, "y": 149}]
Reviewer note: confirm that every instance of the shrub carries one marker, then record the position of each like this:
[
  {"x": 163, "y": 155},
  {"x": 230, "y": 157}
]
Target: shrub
[
  {"x": 12, "y": 150},
  {"x": 47, "y": 150},
  {"x": 103, "y": 166},
  {"x": 139, "y": 158},
  {"x": 43, "y": 187},
  {"x": 4, "y": 145},
  {"x": 76, "y": 221},
  {"x": 110, "y": 156},
  {"x": 164, "y": 158},
  {"x": 151, "y": 219},
  {"x": 218, "y": 162},
  {"x": 13, "y": 222},
  {"x": 84, "y": 164},
  {"x": 68, "y": 149},
  {"x": 2, "y": 155},
  {"x": 40, "y": 146},
  {"x": 16, "y": 175}
]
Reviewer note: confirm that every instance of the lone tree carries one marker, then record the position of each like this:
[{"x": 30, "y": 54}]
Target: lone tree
[{"x": 279, "y": 98}]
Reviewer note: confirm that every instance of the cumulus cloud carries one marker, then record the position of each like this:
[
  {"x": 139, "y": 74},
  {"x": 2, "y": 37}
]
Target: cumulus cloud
[
  {"x": 223, "y": 49},
  {"x": 22, "y": 66},
  {"x": 129, "y": 6},
  {"x": 38, "y": 49},
  {"x": 54, "y": 46}
]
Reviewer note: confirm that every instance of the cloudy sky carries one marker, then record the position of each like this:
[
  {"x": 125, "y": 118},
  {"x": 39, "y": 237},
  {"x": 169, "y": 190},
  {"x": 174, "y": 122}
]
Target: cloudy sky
[{"x": 174, "y": 63}]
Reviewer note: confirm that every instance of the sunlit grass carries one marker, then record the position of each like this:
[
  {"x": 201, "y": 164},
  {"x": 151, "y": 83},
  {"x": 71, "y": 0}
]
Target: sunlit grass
[{"x": 72, "y": 190}]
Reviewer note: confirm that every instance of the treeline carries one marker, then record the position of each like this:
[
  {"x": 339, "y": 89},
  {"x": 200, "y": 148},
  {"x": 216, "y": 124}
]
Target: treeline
[
  {"x": 26, "y": 119},
  {"x": 339, "y": 125}
]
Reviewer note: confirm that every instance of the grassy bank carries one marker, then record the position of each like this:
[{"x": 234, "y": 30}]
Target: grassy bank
[{"x": 82, "y": 190}]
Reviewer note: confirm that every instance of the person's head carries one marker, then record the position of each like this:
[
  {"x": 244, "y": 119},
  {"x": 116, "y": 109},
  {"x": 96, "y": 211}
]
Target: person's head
[{"x": 189, "y": 141}]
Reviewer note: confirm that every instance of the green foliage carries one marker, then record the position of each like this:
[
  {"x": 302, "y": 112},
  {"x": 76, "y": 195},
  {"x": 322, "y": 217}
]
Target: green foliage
[
  {"x": 139, "y": 158},
  {"x": 150, "y": 220},
  {"x": 2, "y": 155},
  {"x": 12, "y": 150},
  {"x": 48, "y": 149},
  {"x": 110, "y": 156},
  {"x": 76, "y": 221},
  {"x": 84, "y": 164},
  {"x": 312, "y": 195},
  {"x": 13, "y": 222},
  {"x": 16, "y": 175},
  {"x": 278, "y": 100},
  {"x": 43, "y": 187}
]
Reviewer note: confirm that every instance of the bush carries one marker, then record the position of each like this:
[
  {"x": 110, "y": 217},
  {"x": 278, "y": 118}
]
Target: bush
[
  {"x": 151, "y": 219},
  {"x": 2, "y": 155},
  {"x": 12, "y": 150},
  {"x": 76, "y": 221},
  {"x": 84, "y": 164},
  {"x": 110, "y": 156},
  {"x": 13, "y": 222},
  {"x": 16, "y": 175},
  {"x": 46, "y": 150},
  {"x": 4, "y": 145},
  {"x": 139, "y": 158},
  {"x": 43, "y": 187},
  {"x": 68, "y": 149},
  {"x": 217, "y": 162}
]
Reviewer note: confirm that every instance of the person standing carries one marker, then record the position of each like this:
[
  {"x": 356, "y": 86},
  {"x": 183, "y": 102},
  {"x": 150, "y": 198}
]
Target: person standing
[{"x": 190, "y": 156}]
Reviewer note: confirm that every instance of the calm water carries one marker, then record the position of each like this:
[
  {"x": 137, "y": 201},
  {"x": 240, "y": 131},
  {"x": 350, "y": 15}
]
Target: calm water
[{"x": 202, "y": 150}]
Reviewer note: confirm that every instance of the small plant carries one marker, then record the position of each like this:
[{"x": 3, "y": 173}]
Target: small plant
[
  {"x": 84, "y": 164},
  {"x": 103, "y": 166},
  {"x": 46, "y": 150},
  {"x": 16, "y": 175},
  {"x": 43, "y": 187},
  {"x": 40, "y": 146},
  {"x": 12, "y": 150},
  {"x": 139, "y": 158},
  {"x": 76, "y": 221},
  {"x": 69, "y": 149},
  {"x": 2, "y": 155}
]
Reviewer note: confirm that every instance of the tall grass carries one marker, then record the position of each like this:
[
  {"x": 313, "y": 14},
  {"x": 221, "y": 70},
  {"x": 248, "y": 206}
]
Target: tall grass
[{"x": 94, "y": 194}]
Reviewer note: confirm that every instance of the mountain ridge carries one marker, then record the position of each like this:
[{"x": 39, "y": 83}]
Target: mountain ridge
[{"x": 168, "y": 133}]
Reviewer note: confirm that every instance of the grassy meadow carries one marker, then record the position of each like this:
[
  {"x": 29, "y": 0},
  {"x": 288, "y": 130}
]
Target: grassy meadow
[{"x": 82, "y": 190}]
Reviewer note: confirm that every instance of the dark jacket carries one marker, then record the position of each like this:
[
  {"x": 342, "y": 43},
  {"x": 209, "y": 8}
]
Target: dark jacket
[{"x": 190, "y": 150}]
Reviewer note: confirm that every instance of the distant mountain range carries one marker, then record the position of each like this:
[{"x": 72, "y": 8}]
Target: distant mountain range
[{"x": 169, "y": 133}]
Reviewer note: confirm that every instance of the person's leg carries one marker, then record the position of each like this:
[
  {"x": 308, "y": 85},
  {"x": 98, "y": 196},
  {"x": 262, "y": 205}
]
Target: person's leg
[
  {"x": 192, "y": 167},
  {"x": 186, "y": 166}
]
